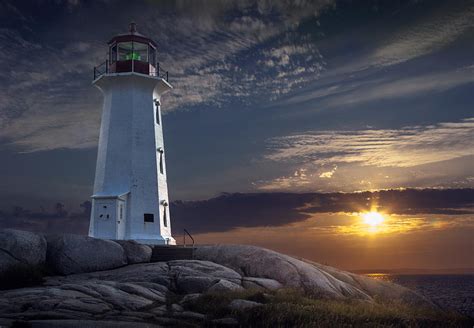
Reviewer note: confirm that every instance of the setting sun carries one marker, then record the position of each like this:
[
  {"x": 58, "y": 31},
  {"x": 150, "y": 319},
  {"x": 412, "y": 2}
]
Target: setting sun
[{"x": 373, "y": 218}]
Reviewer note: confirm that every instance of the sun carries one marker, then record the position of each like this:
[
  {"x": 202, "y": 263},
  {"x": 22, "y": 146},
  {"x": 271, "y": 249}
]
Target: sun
[{"x": 373, "y": 218}]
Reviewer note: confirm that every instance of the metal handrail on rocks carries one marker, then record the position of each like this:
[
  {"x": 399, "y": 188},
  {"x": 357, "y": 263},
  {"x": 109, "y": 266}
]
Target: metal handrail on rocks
[{"x": 186, "y": 232}]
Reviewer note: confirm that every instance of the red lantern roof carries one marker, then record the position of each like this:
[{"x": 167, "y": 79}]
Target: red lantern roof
[{"x": 132, "y": 35}]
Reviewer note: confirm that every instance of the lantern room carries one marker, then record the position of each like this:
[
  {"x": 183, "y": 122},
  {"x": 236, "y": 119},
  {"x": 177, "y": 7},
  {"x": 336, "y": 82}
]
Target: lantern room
[{"x": 131, "y": 52}]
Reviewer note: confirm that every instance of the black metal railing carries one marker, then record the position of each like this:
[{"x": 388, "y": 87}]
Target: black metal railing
[
  {"x": 101, "y": 69},
  {"x": 159, "y": 73},
  {"x": 104, "y": 68},
  {"x": 186, "y": 232}
]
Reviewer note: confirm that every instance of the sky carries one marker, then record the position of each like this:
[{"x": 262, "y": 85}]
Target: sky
[{"x": 291, "y": 101}]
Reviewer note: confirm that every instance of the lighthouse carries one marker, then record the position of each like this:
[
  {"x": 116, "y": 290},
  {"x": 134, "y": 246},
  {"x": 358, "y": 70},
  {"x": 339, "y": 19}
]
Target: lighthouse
[{"x": 130, "y": 199}]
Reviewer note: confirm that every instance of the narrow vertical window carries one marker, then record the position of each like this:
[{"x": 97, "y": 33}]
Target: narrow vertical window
[
  {"x": 165, "y": 217},
  {"x": 121, "y": 212},
  {"x": 157, "y": 111},
  {"x": 160, "y": 150},
  {"x": 161, "y": 163}
]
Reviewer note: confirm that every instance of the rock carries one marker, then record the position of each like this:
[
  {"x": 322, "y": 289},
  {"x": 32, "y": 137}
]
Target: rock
[
  {"x": 189, "y": 298},
  {"x": 138, "y": 290},
  {"x": 21, "y": 247},
  {"x": 150, "y": 274},
  {"x": 203, "y": 269},
  {"x": 198, "y": 276},
  {"x": 120, "y": 299},
  {"x": 376, "y": 288},
  {"x": 313, "y": 278},
  {"x": 262, "y": 263},
  {"x": 240, "y": 305},
  {"x": 189, "y": 315},
  {"x": 176, "y": 308},
  {"x": 85, "y": 305},
  {"x": 225, "y": 322},
  {"x": 69, "y": 254},
  {"x": 260, "y": 283},
  {"x": 87, "y": 323},
  {"x": 224, "y": 286},
  {"x": 135, "y": 252},
  {"x": 191, "y": 284}
]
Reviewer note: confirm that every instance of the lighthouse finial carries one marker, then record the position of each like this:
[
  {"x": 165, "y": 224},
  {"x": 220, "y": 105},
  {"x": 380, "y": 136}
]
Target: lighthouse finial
[{"x": 133, "y": 27}]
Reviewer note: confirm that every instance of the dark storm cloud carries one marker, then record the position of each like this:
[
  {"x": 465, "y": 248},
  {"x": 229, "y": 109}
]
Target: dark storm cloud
[{"x": 236, "y": 210}]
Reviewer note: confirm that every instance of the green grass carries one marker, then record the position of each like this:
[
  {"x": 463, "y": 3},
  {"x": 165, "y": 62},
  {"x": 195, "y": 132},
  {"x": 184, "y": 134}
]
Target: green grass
[{"x": 289, "y": 308}]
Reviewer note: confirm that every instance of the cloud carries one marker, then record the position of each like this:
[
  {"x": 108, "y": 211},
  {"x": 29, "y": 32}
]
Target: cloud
[
  {"x": 231, "y": 211},
  {"x": 240, "y": 210},
  {"x": 404, "y": 147},
  {"x": 208, "y": 48},
  {"x": 328, "y": 174},
  {"x": 424, "y": 37},
  {"x": 356, "y": 91}
]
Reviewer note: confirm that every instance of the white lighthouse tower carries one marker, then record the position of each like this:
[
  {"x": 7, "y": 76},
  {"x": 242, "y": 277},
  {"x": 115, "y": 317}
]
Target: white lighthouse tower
[{"x": 130, "y": 199}]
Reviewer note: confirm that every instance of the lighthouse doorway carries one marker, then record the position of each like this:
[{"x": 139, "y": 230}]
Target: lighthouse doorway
[{"x": 105, "y": 223}]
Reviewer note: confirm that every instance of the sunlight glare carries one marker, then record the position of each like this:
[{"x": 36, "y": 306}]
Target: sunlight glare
[{"x": 373, "y": 218}]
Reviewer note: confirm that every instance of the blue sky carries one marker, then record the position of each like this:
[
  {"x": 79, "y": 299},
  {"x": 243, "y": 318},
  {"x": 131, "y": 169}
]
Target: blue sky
[
  {"x": 269, "y": 96},
  {"x": 286, "y": 103}
]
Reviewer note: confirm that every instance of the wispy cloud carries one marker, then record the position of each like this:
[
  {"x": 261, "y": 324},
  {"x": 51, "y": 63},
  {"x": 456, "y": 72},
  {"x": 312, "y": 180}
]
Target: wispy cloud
[
  {"x": 424, "y": 37},
  {"x": 430, "y": 156},
  {"x": 405, "y": 147},
  {"x": 356, "y": 91},
  {"x": 208, "y": 47}
]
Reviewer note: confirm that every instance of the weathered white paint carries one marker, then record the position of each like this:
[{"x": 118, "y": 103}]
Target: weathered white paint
[{"x": 128, "y": 181}]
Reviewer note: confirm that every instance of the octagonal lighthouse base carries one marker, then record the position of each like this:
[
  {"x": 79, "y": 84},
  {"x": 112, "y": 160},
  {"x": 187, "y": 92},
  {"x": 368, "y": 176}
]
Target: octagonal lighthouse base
[{"x": 130, "y": 200}]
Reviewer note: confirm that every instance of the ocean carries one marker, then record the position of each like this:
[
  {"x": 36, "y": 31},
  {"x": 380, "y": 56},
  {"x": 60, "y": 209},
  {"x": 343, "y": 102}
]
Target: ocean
[{"x": 455, "y": 292}]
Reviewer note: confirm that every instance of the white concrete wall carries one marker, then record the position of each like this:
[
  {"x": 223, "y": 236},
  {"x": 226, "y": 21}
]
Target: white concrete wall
[{"x": 128, "y": 160}]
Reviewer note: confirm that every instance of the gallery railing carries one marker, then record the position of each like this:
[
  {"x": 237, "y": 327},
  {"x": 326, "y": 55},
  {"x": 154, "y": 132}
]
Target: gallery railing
[{"x": 104, "y": 68}]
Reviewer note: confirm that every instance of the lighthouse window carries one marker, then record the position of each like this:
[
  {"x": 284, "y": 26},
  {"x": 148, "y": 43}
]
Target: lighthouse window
[
  {"x": 161, "y": 162},
  {"x": 152, "y": 56},
  {"x": 157, "y": 109},
  {"x": 125, "y": 51},
  {"x": 113, "y": 54},
  {"x": 140, "y": 51},
  {"x": 165, "y": 219},
  {"x": 148, "y": 217}
]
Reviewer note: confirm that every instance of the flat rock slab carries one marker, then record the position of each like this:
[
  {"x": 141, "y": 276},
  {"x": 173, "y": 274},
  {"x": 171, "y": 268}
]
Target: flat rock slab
[{"x": 158, "y": 273}]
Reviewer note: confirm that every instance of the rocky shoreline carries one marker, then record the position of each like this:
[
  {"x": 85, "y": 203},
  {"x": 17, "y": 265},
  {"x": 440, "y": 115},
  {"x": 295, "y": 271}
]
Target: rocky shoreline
[{"x": 113, "y": 284}]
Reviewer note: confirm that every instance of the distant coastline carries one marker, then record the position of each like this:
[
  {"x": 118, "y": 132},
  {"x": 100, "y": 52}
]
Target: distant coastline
[{"x": 408, "y": 271}]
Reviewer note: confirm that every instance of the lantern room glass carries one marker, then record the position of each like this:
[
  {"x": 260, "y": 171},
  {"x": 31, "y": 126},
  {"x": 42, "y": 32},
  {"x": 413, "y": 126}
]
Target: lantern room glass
[{"x": 132, "y": 51}]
